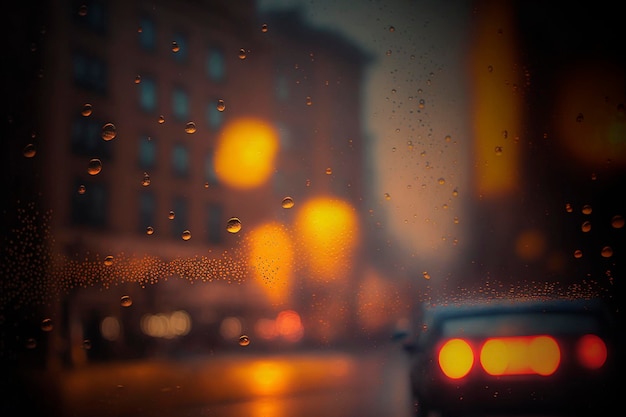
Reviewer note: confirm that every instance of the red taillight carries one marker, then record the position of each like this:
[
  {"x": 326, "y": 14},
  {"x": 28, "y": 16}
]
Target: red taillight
[
  {"x": 520, "y": 355},
  {"x": 456, "y": 358},
  {"x": 591, "y": 351}
]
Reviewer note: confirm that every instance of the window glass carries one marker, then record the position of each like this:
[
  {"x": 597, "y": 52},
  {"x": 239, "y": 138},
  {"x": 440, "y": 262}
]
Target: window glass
[
  {"x": 180, "y": 104},
  {"x": 180, "y": 160},
  {"x": 215, "y": 64},
  {"x": 89, "y": 72},
  {"x": 147, "y": 34},
  {"x": 147, "y": 152},
  {"x": 148, "y": 94}
]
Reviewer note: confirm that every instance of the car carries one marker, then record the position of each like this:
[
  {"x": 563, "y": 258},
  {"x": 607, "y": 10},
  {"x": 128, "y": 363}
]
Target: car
[{"x": 539, "y": 356}]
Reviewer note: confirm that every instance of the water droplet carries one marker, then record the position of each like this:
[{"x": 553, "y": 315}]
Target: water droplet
[
  {"x": 586, "y": 209},
  {"x": 137, "y": 79},
  {"x": 175, "y": 46},
  {"x": 46, "y": 325},
  {"x": 580, "y": 117},
  {"x": 221, "y": 106},
  {"x": 606, "y": 252},
  {"x": 244, "y": 340},
  {"x": 586, "y": 226},
  {"x": 206, "y": 185},
  {"x": 145, "y": 181},
  {"x": 309, "y": 101},
  {"x": 578, "y": 254},
  {"x": 498, "y": 150},
  {"x": 242, "y": 53},
  {"x": 87, "y": 110},
  {"x": 31, "y": 343},
  {"x": 186, "y": 235},
  {"x": 82, "y": 189},
  {"x": 126, "y": 301},
  {"x": 108, "y": 131},
  {"x": 441, "y": 181},
  {"x": 171, "y": 215},
  {"x": 86, "y": 344},
  {"x": 190, "y": 127},
  {"x": 568, "y": 207},
  {"x": 490, "y": 68},
  {"x": 392, "y": 29},
  {"x": 264, "y": 28},
  {"x": 422, "y": 103},
  {"x": 448, "y": 138},
  {"x": 149, "y": 230},
  {"x": 387, "y": 196},
  {"x": 161, "y": 120},
  {"x": 108, "y": 261},
  {"x": 82, "y": 10},
  {"x": 307, "y": 183},
  {"x": 29, "y": 151},
  {"x": 455, "y": 193},
  {"x": 329, "y": 171},
  {"x": 617, "y": 221},
  {"x": 233, "y": 225},
  {"x": 94, "y": 167},
  {"x": 426, "y": 275},
  {"x": 287, "y": 203}
]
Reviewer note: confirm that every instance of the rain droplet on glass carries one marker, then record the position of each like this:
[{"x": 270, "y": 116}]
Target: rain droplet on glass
[
  {"x": 190, "y": 127},
  {"x": 126, "y": 301},
  {"x": 233, "y": 225},
  {"x": 145, "y": 181},
  {"x": 29, "y": 151},
  {"x": 149, "y": 230},
  {"x": 186, "y": 235},
  {"x": 171, "y": 215},
  {"x": 108, "y": 131},
  {"x": 161, "y": 120},
  {"x": 82, "y": 189},
  {"x": 242, "y": 53},
  {"x": 108, "y": 261},
  {"x": 617, "y": 221},
  {"x": 287, "y": 203},
  {"x": 137, "y": 79},
  {"x": 94, "y": 167},
  {"x": 46, "y": 325},
  {"x": 175, "y": 46},
  {"x": 244, "y": 340},
  {"x": 87, "y": 110},
  {"x": 221, "y": 106},
  {"x": 264, "y": 27}
]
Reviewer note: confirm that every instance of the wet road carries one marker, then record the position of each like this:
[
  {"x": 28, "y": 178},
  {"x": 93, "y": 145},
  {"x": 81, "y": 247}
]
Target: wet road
[{"x": 298, "y": 384}]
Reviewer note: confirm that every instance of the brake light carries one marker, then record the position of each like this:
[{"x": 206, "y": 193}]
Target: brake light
[
  {"x": 520, "y": 355},
  {"x": 456, "y": 358},
  {"x": 591, "y": 351}
]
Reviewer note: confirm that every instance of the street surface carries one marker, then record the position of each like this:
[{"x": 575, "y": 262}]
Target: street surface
[{"x": 296, "y": 384}]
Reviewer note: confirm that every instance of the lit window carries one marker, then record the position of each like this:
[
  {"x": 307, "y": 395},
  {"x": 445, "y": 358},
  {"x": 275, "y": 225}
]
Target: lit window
[
  {"x": 180, "y": 160},
  {"x": 180, "y": 55},
  {"x": 214, "y": 117},
  {"x": 215, "y": 64},
  {"x": 147, "y": 94},
  {"x": 180, "y": 104},
  {"x": 147, "y": 152},
  {"x": 147, "y": 34},
  {"x": 209, "y": 170}
]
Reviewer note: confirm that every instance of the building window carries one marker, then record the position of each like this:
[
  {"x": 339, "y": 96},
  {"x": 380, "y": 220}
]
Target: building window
[
  {"x": 147, "y": 210},
  {"x": 214, "y": 117},
  {"x": 182, "y": 49},
  {"x": 214, "y": 224},
  {"x": 147, "y": 34},
  {"x": 86, "y": 138},
  {"x": 215, "y": 66},
  {"x": 147, "y": 152},
  {"x": 147, "y": 94},
  {"x": 89, "y": 72},
  {"x": 89, "y": 208},
  {"x": 90, "y": 14},
  {"x": 209, "y": 170},
  {"x": 179, "y": 222},
  {"x": 282, "y": 88},
  {"x": 180, "y": 160},
  {"x": 180, "y": 104}
]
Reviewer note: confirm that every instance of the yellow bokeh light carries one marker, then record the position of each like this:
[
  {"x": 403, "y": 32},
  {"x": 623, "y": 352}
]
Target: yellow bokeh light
[
  {"x": 271, "y": 258},
  {"x": 245, "y": 153},
  {"x": 327, "y": 231}
]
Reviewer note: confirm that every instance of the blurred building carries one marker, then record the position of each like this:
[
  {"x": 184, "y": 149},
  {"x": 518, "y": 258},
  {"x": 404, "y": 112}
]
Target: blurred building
[{"x": 135, "y": 96}]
